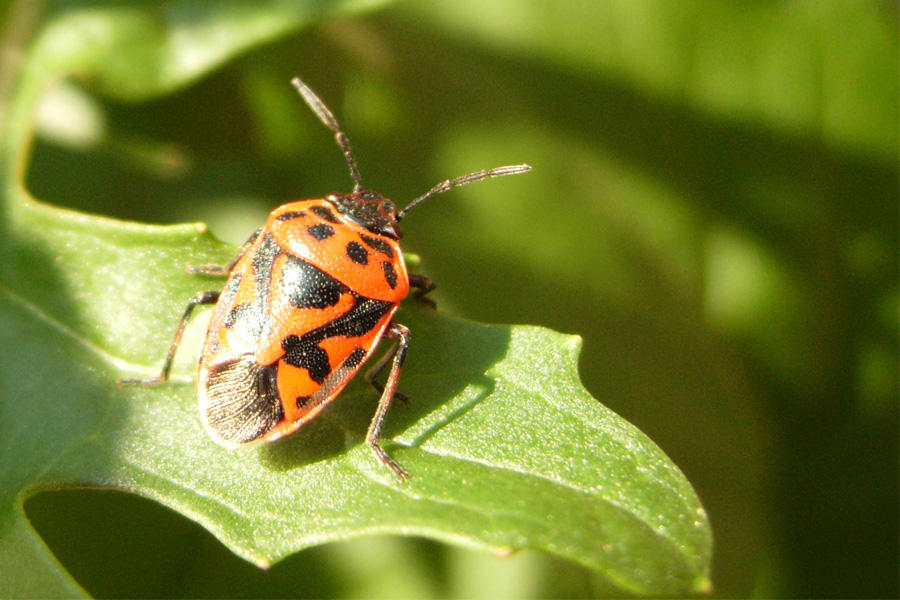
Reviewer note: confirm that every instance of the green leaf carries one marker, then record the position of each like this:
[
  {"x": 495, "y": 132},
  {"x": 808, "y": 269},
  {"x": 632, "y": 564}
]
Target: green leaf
[{"x": 507, "y": 450}]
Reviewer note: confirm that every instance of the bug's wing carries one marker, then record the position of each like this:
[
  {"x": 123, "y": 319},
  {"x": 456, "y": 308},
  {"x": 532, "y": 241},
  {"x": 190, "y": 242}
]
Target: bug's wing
[{"x": 241, "y": 400}]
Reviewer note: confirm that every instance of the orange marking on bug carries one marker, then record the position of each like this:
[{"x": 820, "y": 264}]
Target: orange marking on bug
[{"x": 294, "y": 383}]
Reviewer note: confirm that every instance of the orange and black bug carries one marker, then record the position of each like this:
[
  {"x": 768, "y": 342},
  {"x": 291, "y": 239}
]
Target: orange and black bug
[{"x": 307, "y": 299}]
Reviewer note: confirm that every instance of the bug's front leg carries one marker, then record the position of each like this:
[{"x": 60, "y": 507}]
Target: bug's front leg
[
  {"x": 395, "y": 355},
  {"x": 210, "y": 297},
  {"x": 423, "y": 285},
  {"x": 373, "y": 374}
]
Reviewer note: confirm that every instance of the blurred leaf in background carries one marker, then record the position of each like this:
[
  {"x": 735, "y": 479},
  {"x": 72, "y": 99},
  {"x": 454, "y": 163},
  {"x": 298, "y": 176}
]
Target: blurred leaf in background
[{"x": 714, "y": 210}]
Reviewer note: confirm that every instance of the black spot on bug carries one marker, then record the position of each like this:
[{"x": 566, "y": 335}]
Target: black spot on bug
[
  {"x": 242, "y": 402},
  {"x": 390, "y": 275},
  {"x": 221, "y": 314},
  {"x": 357, "y": 253},
  {"x": 291, "y": 215},
  {"x": 246, "y": 320},
  {"x": 358, "y": 321},
  {"x": 304, "y": 353},
  {"x": 302, "y": 400},
  {"x": 325, "y": 213},
  {"x": 235, "y": 314},
  {"x": 262, "y": 263},
  {"x": 378, "y": 245},
  {"x": 355, "y": 359},
  {"x": 322, "y": 231},
  {"x": 309, "y": 287},
  {"x": 265, "y": 253}
]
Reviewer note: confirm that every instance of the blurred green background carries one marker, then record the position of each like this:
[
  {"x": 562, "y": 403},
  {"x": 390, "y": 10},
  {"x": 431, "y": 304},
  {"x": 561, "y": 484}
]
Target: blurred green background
[{"x": 713, "y": 208}]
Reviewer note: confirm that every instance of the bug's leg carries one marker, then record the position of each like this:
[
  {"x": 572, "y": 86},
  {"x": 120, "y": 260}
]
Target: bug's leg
[
  {"x": 212, "y": 270},
  {"x": 223, "y": 270},
  {"x": 373, "y": 373},
  {"x": 424, "y": 285},
  {"x": 396, "y": 355},
  {"x": 201, "y": 298}
]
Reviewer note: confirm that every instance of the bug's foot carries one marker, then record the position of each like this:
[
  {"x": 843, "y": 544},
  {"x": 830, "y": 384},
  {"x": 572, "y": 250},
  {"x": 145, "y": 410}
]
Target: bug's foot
[
  {"x": 401, "y": 473},
  {"x": 131, "y": 381}
]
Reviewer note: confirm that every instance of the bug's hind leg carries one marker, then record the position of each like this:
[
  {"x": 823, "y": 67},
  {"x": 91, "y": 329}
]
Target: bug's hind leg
[
  {"x": 373, "y": 373},
  {"x": 202, "y": 298},
  {"x": 395, "y": 356}
]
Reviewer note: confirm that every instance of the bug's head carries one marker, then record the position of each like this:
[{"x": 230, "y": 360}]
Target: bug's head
[{"x": 371, "y": 210}]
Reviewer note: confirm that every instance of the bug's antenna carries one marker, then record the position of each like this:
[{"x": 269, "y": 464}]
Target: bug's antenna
[
  {"x": 470, "y": 178},
  {"x": 328, "y": 119}
]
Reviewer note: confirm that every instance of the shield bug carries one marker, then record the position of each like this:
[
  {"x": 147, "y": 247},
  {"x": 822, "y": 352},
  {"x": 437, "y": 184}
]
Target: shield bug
[{"x": 307, "y": 299}]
